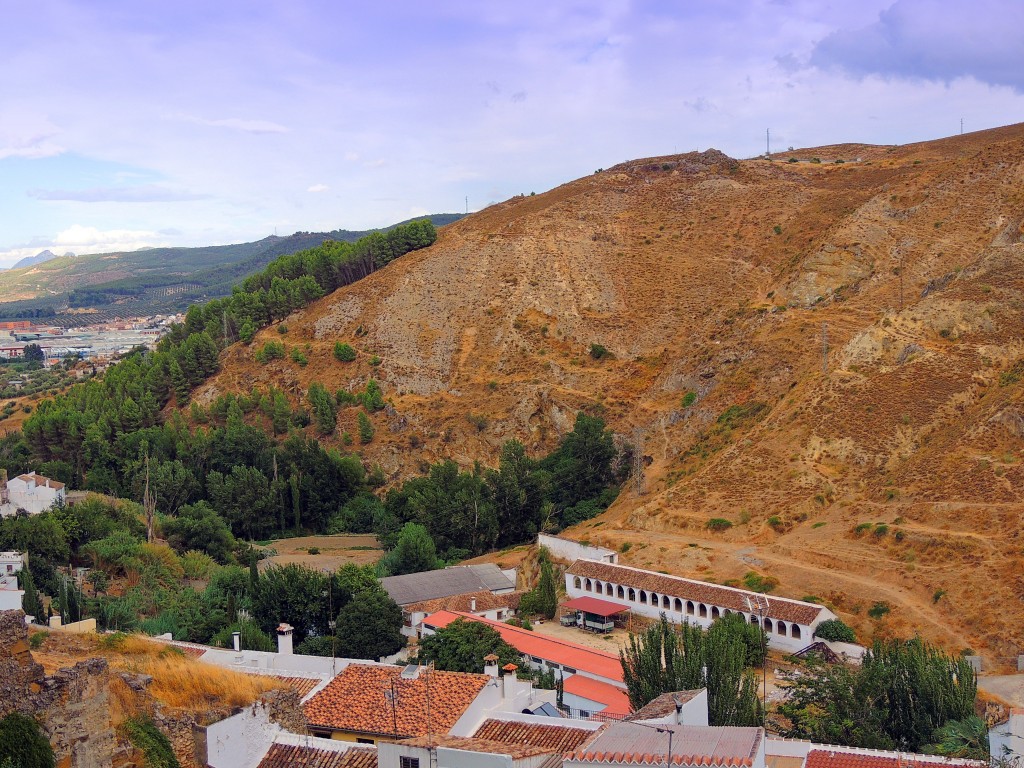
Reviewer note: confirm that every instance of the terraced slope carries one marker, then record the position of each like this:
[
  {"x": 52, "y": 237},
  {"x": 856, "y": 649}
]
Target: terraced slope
[{"x": 853, "y": 334}]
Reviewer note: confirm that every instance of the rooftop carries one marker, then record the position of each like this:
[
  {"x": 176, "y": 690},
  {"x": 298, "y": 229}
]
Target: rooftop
[
  {"x": 556, "y": 738},
  {"x": 664, "y": 705},
  {"x": 360, "y": 700},
  {"x": 515, "y": 751},
  {"x": 562, "y": 652},
  {"x": 692, "y": 744},
  {"x": 779, "y": 608},
  {"x": 595, "y": 605},
  {"x": 303, "y": 756},
  {"x": 485, "y": 601},
  {"x": 847, "y": 757},
  {"x": 615, "y": 700},
  {"x": 445, "y": 582},
  {"x": 38, "y": 480}
]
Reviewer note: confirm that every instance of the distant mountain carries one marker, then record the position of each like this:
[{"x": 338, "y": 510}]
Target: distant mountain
[
  {"x": 151, "y": 280},
  {"x": 39, "y": 258}
]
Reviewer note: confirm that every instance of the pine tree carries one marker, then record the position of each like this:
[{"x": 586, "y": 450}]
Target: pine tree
[
  {"x": 366, "y": 429},
  {"x": 547, "y": 604},
  {"x": 179, "y": 382},
  {"x": 30, "y": 603}
]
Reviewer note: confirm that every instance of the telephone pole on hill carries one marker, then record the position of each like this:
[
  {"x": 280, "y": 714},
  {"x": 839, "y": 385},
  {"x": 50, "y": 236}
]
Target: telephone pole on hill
[
  {"x": 638, "y": 461},
  {"x": 824, "y": 348}
]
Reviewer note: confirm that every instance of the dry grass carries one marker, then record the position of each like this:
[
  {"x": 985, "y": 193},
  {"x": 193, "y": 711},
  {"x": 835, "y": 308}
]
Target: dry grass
[{"x": 179, "y": 680}]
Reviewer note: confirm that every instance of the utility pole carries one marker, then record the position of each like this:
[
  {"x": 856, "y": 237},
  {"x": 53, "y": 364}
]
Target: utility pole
[
  {"x": 961, "y": 126},
  {"x": 467, "y": 205},
  {"x": 638, "y": 461},
  {"x": 148, "y": 505},
  {"x": 824, "y": 348},
  {"x": 768, "y": 143}
]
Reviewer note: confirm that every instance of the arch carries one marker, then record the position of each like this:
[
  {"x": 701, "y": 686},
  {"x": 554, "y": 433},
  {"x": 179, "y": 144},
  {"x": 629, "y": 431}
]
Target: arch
[
  {"x": 794, "y": 631},
  {"x": 588, "y": 585},
  {"x": 726, "y": 611},
  {"x": 703, "y": 611},
  {"x": 753, "y": 619},
  {"x": 620, "y": 592},
  {"x": 780, "y": 627},
  {"x": 715, "y": 612},
  {"x": 576, "y": 582},
  {"x": 632, "y": 595},
  {"x": 666, "y": 603},
  {"x": 689, "y": 606},
  {"x": 608, "y": 589},
  {"x": 598, "y": 587},
  {"x": 767, "y": 625},
  {"x": 643, "y": 597}
]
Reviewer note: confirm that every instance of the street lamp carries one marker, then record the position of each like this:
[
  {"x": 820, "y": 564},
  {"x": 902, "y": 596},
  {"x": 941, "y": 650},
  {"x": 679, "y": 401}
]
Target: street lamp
[{"x": 756, "y": 606}]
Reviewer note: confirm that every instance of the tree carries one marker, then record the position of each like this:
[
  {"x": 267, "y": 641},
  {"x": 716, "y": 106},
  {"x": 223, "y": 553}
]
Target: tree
[
  {"x": 33, "y": 353},
  {"x": 967, "y": 739},
  {"x": 365, "y": 428},
  {"x": 369, "y": 626},
  {"x": 903, "y": 692},
  {"x": 373, "y": 398},
  {"x": 325, "y": 411},
  {"x": 413, "y": 553},
  {"x": 462, "y": 645},
  {"x": 547, "y": 593},
  {"x": 835, "y": 630},
  {"x": 669, "y": 658},
  {"x": 199, "y": 527},
  {"x": 344, "y": 352},
  {"x": 30, "y": 602},
  {"x": 23, "y": 743},
  {"x": 293, "y": 594}
]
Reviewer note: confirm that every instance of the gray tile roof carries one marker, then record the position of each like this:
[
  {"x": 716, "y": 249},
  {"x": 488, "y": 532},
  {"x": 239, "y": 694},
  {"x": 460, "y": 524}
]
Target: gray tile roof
[
  {"x": 635, "y": 743},
  {"x": 457, "y": 580}
]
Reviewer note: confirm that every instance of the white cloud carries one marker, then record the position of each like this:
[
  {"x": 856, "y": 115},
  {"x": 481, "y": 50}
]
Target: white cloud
[
  {"x": 318, "y": 188},
  {"x": 82, "y": 240},
  {"x": 235, "y": 123}
]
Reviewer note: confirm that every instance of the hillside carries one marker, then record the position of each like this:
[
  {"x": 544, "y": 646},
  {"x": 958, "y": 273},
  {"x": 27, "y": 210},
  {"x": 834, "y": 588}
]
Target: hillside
[
  {"x": 150, "y": 280},
  {"x": 850, "y": 329}
]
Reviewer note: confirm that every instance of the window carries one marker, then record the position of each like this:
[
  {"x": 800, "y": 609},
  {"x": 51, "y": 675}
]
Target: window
[
  {"x": 408, "y": 762},
  {"x": 568, "y": 670},
  {"x": 364, "y": 741},
  {"x": 576, "y": 582}
]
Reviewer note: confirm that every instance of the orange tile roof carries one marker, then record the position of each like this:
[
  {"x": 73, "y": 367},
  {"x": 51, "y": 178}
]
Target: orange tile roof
[
  {"x": 485, "y": 601},
  {"x": 359, "y": 701},
  {"x": 295, "y": 756},
  {"x": 616, "y": 700},
  {"x": 529, "y": 643},
  {"x": 699, "y": 591},
  {"x": 630, "y": 743},
  {"x": 663, "y": 705},
  {"x": 839, "y": 757},
  {"x": 555, "y": 737},
  {"x": 302, "y": 685},
  {"x": 515, "y": 751}
]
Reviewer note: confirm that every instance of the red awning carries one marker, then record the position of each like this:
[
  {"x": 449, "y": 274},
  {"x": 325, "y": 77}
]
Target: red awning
[{"x": 595, "y": 606}]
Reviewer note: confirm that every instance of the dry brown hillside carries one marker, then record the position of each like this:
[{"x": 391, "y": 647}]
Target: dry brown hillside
[{"x": 853, "y": 329}]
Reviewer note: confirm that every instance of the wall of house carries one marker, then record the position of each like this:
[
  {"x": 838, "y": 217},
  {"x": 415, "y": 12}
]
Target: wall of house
[
  {"x": 780, "y": 633},
  {"x": 10, "y": 599},
  {"x": 31, "y": 497},
  {"x": 501, "y": 696},
  {"x": 1006, "y": 741},
  {"x": 565, "y": 549},
  {"x": 242, "y": 740}
]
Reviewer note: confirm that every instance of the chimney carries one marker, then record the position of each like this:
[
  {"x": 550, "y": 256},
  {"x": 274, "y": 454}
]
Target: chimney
[
  {"x": 472, "y": 605},
  {"x": 491, "y": 665},
  {"x": 236, "y": 641},
  {"x": 508, "y": 680},
  {"x": 55, "y": 622},
  {"x": 284, "y": 639}
]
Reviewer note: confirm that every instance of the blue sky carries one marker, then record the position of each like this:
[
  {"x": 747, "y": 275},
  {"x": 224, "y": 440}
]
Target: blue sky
[{"x": 133, "y": 123}]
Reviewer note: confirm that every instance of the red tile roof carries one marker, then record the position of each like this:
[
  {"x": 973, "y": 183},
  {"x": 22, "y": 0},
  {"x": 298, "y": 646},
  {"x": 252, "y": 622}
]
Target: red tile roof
[
  {"x": 295, "y": 756},
  {"x": 595, "y": 605},
  {"x": 485, "y": 601},
  {"x": 779, "y": 608},
  {"x": 838, "y": 757},
  {"x": 616, "y": 700},
  {"x": 529, "y": 643},
  {"x": 555, "y": 737},
  {"x": 515, "y": 751},
  {"x": 359, "y": 701},
  {"x": 663, "y": 705},
  {"x": 302, "y": 685}
]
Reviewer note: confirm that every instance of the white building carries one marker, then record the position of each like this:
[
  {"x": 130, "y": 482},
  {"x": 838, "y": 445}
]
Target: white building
[
  {"x": 1006, "y": 739},
  {"x": 31, "y": 492},
  {"x": 10, "y": 595},
  {"x": 789, "y": 624}
]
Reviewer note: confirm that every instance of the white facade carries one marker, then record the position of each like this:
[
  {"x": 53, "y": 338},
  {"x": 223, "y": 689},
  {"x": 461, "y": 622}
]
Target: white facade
[
  {"x": 10, "y": 595},
  {"x": 783, "y": 635},
  {"x": 1006, "y": 740},
  {"x": 12, "y": 562},
  {"x": 33, "y": 493},
  {"x": 567, "y": 549}
]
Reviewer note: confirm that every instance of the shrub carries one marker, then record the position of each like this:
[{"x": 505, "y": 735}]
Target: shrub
[
  {"x": 938, "y": 595},
  {"x": 755, "y": 582},
  {"x": 880, "y": 530},
  {"x": 344, "y": 352},
  {"x": 879, "y": 609},
  {"x": 478, "y": 420},
  {"x": 282, "y": 329},
  {"x": 599, "y": 352},
  {"x": 859, "y": 529},
  {"x": 689, "y": 398},
  {"x": 298, "y": 356},
  {"x": 777, "y": 229},
  {"x": 144, "y": 735},
  {"x": 314, "y": 550},
  {"x": 718, "y": 524},
  {"x": 835, "y": 630},
  {"x": 776, "y": 524},
  {"x": 375, "y": 360},
  {"x": 271, "y": 350},
  {"x": 626, "y": 546},
  {"x": 345, "y": 398},
  {"x": 23, "y": 743},
  {"x": 36, "y": 640}
]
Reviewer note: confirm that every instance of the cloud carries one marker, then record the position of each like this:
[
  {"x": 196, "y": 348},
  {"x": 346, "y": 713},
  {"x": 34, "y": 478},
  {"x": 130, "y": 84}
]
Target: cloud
[
  {"x": 235, "y": 123},
  {"x": 28, "y": 136},
  {"x": 318, "y": 188},
  {"x": 916, "y": 39},
  {"x": 83, "y": 240},
  {"x": 147, "y": 193}
]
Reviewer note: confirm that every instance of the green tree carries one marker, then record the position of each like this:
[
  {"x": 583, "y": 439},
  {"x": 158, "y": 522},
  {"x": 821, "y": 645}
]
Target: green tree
[
  {"x": 547, "y": 593},
  {"x": 344, "y": 352},
  {"x": 369, "y": 626},
  {"x": 30, "y": 602},
  {"x": 669, "y": 658},
  {"x": 413, "y": 553},
  {"x": 33, "y": 353},
  {"x": 23, "y": 743},
  {"x": 293, "y": 594},
  {"x": 198, "y": 527},
  {"x": 966, "y": 739},
  {"x": 835, "y": 630},
  {"x": 462, "y": 645},
  {"x": 373, "y": 398},
  {"x": 325, "y": 411},
  {"x": 366, "y": 429}
]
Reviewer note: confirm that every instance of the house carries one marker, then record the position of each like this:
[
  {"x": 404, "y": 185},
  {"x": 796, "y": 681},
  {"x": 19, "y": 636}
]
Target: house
[
  {"x": 592, "y": 679},
  {"x": 485, "y": 604},
  {"x": 294, "y": 752},
  {"x": 372, "y": 704},
  {"x": 31, "y": 492},
  {"x": 788, "y": 753},
  {"x": 411, "y": 588},
  {"x": 10, "y": 595},
  {"x": 788, "y": 624},
  {"x": 630, "y": 743}
]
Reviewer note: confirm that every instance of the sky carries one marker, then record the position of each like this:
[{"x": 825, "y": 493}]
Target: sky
[{"x": 132, "y": 123}]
